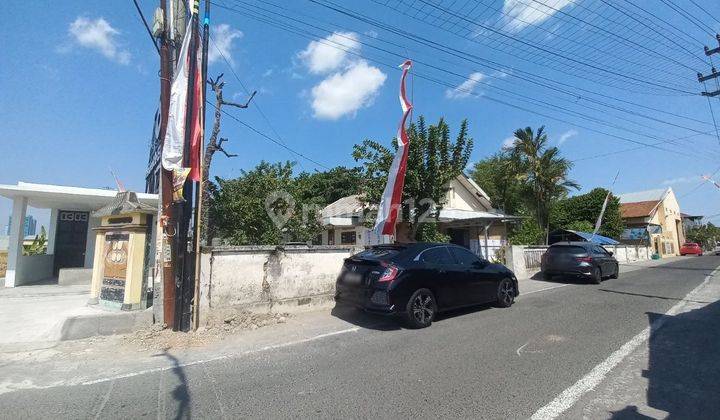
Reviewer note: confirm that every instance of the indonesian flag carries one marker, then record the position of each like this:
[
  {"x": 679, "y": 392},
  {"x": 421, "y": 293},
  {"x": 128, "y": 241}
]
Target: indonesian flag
[
  {"x": 174, "y": 142},
  {"x": 392, "y": 196},
  {"x": 196, "y": 135}
]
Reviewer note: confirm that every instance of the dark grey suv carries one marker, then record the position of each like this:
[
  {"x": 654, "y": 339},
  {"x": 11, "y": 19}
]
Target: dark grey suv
[{"x": 580, "y": 259}]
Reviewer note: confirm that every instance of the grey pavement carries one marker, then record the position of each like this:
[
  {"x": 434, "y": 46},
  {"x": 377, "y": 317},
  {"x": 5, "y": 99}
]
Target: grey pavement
[{"x": 476, "y": 363}]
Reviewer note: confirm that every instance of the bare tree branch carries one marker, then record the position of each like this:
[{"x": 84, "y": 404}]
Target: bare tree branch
[{"x": 215, "y": 144}]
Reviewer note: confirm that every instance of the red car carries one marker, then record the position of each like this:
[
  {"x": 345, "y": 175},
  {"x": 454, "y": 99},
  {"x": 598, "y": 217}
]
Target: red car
[{"x": 691, "y": 248}]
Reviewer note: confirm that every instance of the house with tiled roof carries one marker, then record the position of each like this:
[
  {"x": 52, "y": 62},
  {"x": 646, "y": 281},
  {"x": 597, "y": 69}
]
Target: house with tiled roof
[
  {"x": 653, "y": 218},
  {"x": 467, "y": 217}
]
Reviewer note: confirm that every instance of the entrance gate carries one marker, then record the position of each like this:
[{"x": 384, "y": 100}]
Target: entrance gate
[{"x": 70, "y": 239}]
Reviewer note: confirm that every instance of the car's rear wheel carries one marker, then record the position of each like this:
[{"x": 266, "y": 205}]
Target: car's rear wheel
[
  {"x": 506, "y": 293},
  {"x": 596, "y": 275},
  {"x": 421, "y": 309}
]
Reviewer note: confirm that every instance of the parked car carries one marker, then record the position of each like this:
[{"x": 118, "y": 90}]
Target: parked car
[
  {"x": 418, "y": 280},
  {"x": 581, "y": 259},
  {"x": 691, "y": 248}
]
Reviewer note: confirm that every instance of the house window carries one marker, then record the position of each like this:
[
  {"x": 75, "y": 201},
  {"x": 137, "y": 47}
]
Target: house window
[{"x": 347, "y": 238}]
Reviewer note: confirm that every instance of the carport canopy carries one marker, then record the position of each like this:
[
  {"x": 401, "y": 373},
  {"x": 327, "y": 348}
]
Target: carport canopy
[{"x": 56, "y": 198}]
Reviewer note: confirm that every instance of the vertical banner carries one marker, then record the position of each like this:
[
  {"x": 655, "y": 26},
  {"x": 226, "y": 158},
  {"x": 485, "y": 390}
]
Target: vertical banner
[
  {"x": 174, "y": 143},
  {"x": 392, "y": 195}
]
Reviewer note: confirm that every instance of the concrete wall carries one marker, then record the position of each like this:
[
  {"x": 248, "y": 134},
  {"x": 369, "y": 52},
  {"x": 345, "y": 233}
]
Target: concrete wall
[
  {"x": 262, "y": 278},
  {"x": 33, "y": 268}
]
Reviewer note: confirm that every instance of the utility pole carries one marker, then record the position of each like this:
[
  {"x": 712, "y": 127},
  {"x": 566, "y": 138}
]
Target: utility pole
[
  {"x": 166, "y": 219},
  {"x": 714, "y": 74}
]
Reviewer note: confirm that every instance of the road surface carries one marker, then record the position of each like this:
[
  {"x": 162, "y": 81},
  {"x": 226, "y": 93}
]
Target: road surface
[{"x": 567, "y": 352}]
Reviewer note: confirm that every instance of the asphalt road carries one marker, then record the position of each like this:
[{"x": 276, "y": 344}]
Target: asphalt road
[{"x": 480, "y": 363}]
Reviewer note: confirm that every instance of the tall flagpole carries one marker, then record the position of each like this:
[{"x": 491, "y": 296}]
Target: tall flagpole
[{"x": 200, "y": 190}]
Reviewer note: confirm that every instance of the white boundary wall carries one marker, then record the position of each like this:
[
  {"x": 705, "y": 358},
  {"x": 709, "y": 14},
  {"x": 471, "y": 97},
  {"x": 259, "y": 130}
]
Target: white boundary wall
[
  {"x": 524, "y": 260},
  {"x": 268, "y": 278}
]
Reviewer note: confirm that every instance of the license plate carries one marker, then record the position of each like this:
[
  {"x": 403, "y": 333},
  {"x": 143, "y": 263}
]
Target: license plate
[{"x": 353, "y": 278}]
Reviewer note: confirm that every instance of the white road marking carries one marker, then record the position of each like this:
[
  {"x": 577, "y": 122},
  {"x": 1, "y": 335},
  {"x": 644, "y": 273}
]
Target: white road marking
[
  {"x": 225, "y": 356},
  {"x": 520, "y": 348},
  {"x": 544, "y": 289},
  {"x": 6, "y": 388},
  {"x": 587, "y": 383}
]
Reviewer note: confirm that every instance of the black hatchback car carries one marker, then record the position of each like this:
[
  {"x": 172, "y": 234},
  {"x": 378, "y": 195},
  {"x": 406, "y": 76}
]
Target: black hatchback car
[
  {"x": 580, "y": 259},
  {"x": 418, "y": 280}
]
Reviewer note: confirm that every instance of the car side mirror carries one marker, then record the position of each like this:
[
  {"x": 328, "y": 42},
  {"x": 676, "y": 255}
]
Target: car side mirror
[{"x": 611, "y": 253}]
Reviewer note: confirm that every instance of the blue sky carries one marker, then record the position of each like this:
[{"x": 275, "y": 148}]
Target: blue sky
[{"x": 80, "y": 86}]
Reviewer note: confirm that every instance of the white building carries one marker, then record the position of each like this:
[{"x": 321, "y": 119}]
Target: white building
[
  {"x": 467, "y": 217},
  {"x": 70, "y": 239}
]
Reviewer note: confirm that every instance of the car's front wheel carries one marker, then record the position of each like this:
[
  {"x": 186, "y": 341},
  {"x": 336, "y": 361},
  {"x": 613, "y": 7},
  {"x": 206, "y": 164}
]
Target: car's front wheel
[
  {"x": 506, "y": 293},
  {"x": 421, "y": 309}
]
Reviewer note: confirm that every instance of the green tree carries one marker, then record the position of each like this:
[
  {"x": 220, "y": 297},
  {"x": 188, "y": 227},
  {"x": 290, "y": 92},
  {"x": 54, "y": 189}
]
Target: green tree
[
  {"x": 526, "y": 233},
  {"x": 706, "y": 235},
  {"x": 580, "y": 212},
  {"x": 496, "y": 176},
  {"x": 433, "y": 161},
  {"x": 542, "y": 172},
  {"x": 239, "y": 207},
  {"x": 329, "y": 186}
]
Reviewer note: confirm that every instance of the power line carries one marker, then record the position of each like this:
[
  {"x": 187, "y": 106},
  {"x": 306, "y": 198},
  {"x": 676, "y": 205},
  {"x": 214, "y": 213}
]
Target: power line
[
  {"x": 574, "y": 97},
  {"x": 595, "y": 67},
  {"x": 478, "y": 60},
  {"x": 260, "y": 133},
  {"x": 695, "y": 21},
  {"x": 565, "y": 66},
  {"x": 142, "y": 17},
  {"x": 300, "y": 32},
  {"x": 247, "y": 91},
  {"x": 705, "y": 11}
]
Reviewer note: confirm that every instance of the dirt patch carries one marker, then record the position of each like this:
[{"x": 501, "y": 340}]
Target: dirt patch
[{"x": 157, "y": 338}]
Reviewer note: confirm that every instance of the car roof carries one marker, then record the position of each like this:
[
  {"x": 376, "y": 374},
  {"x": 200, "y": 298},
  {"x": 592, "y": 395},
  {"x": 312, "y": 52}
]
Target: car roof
[{"x": 583, "y": 244}]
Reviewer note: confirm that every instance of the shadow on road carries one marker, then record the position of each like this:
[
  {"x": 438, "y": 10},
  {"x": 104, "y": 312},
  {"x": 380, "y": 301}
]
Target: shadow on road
[
  {"x": 683, "y": 368},
  {"x": 651, "y": 296},
  {"x": 363, "y": 319},
  {"x": 391, "y": 323},
  {"x": 181, "y": 393}
]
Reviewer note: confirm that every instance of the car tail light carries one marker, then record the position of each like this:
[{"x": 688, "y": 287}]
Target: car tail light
[
  {"x": 389, "y": 274},
  {"x": 583, "y": 259}
]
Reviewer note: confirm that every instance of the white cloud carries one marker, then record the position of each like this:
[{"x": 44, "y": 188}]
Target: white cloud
[
  {"x": 520, "y": 14},
  {"x": 508, "y": 143},
  {"x": 682, "y": 180},
  {"x": 567, "y": 136},
  {"x": 466, "y": 88},
  {"x": 223, "y": 36},
  {"x": 344, "y": 92},
  {"x": 100, "y": 36},
  {"x": 331, "y": 53}
]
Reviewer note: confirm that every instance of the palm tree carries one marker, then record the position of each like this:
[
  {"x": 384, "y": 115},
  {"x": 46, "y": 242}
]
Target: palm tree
[{"x": 541, "y": 170}]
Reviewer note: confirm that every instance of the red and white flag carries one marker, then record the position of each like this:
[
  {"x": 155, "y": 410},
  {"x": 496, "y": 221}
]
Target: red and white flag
[
  {"x": 174, "y": 142},
  {"x": 392, "y": 196}
]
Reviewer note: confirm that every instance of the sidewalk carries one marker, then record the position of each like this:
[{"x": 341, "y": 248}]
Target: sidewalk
[{"x": 37, "y": 316}]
